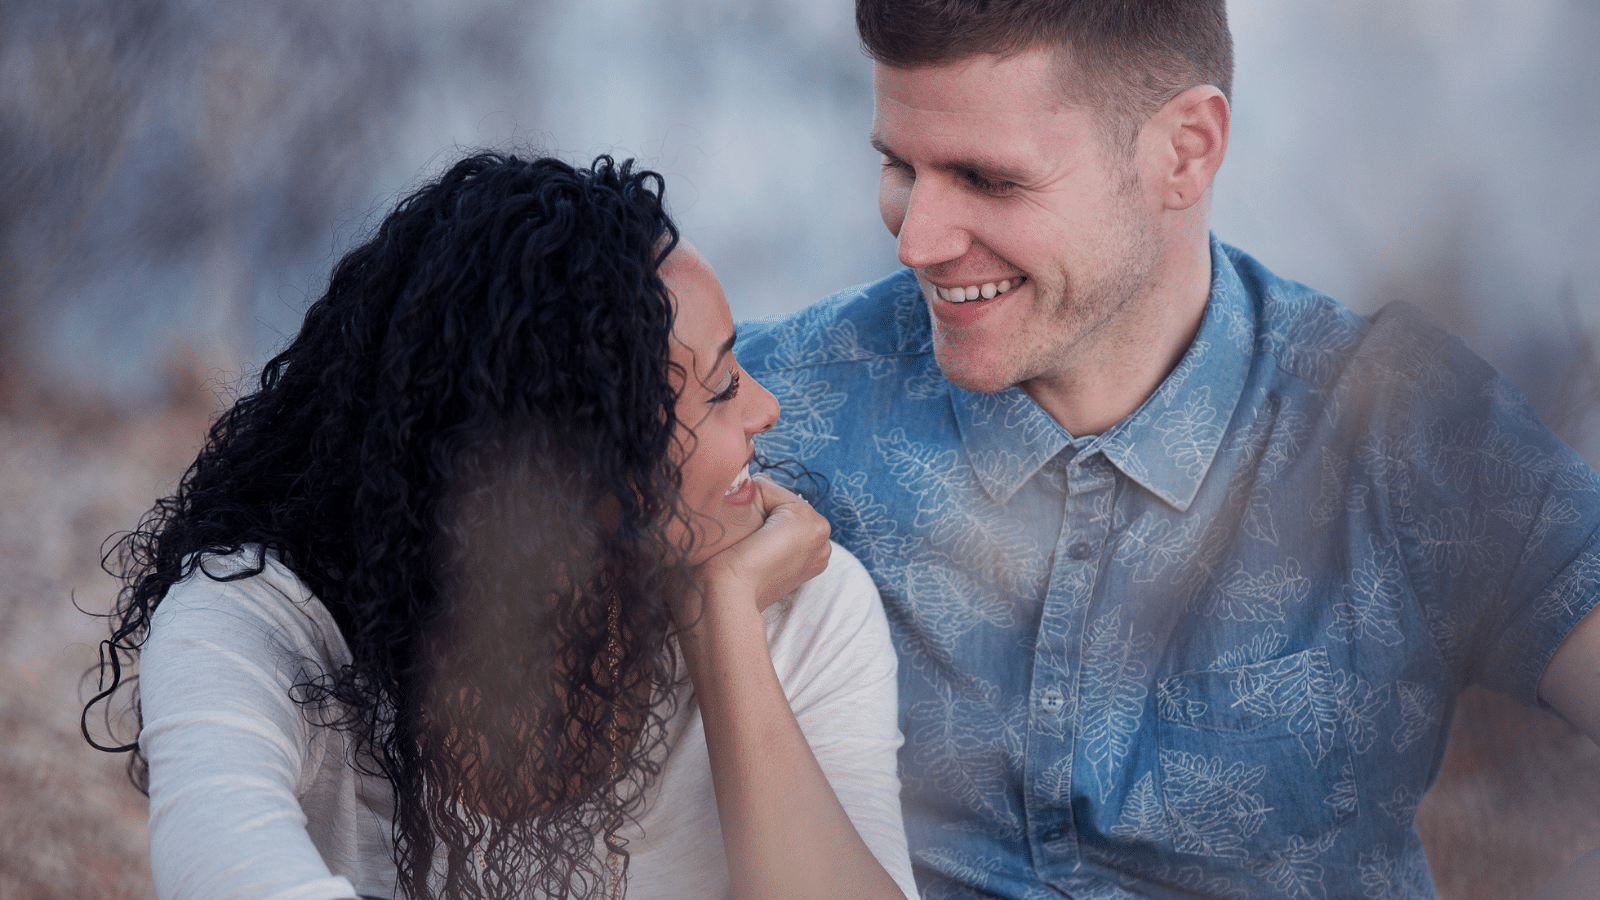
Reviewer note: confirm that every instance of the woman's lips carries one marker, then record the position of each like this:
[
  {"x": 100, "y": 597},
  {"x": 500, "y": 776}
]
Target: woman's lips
[{"x": 743, "y": 490}]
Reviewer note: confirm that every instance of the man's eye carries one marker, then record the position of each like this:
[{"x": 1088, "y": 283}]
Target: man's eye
[
  {"x": 895, "y": 165},
  {"x": 985, "y": 185}
]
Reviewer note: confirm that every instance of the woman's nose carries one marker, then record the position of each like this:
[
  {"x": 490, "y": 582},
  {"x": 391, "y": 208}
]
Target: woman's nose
[{"x": 764, "y": 408}]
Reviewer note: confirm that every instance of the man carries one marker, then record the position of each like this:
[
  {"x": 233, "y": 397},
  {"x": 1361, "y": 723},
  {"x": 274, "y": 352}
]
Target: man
[{"x": 1185, "y": 563}]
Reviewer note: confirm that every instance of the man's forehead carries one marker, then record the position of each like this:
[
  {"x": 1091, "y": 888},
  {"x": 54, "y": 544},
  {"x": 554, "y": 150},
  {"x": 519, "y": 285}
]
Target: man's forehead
[{"x": 995, "y": 115}]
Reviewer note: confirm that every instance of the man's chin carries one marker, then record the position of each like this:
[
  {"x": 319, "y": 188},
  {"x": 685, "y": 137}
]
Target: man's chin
[{"x": 970, "y": 374}]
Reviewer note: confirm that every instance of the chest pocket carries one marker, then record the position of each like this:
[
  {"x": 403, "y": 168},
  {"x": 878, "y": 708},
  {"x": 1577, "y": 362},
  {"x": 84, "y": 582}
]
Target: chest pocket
[{"x": 1254, "y": 757}]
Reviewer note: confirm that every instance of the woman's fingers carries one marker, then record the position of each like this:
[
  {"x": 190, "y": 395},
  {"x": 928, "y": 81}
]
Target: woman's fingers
[
  {"x": 789, "y": 548},
  {"x": 800, "y": 533}
]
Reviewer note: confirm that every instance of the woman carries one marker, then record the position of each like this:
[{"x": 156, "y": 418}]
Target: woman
[{"x": 423, "y": 617}]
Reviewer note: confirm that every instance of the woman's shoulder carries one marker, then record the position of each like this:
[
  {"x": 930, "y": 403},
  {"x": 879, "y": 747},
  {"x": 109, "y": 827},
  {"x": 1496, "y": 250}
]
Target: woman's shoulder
[{"x": 248, "y": 595}]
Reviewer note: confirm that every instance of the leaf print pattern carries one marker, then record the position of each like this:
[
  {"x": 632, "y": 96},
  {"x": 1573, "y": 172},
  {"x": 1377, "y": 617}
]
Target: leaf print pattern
[
  {"x": 958, "y": 739},
  {"x": 1458, "y": 543},
  {"x": 1483, "y": 458},
  {"x": 1338, "y": 495},
  {"x": 1402, "y": 805},
  {"x": 1143, "y": 816},
  {"x": 963, "y": 867},
  {"x": 1262, "y": 646},
  {"x": 1372, "y": 599},
  {"x": 1383, "y": 878},
  {"x": 1507, "y": 398},
  {"x": 1213, "y": 805},
  {"x": 1294, "y": 871},
  {"x": 1190, "y": 434},
  {"x": 912, "y": 332},
  {"x": 1172, "y": 696},
  {"x": 1420, "y": 709},
  {"x": 1537, "y": 519},
  {"x": 1572, "y": 593},
  {"x": 1055, "y": 782},
  {"x": 974, "y": 531},
  {"x": 863, "y": 522},
  {"x": 1153, "y": 546},
  {"x": 951, "y": 604},
  {"x": 1243, "y": 597},
  {"x": 805, "y": 428},
  {"x": 1361, "y": 706},
  {"x": 1299, "y": 689},
  {"x": 1387, "y": 461},
  {"x": 1113, "y": 694},
  {"x": 1344, "y": 799},
  {"x": 1313, "y": 344}
]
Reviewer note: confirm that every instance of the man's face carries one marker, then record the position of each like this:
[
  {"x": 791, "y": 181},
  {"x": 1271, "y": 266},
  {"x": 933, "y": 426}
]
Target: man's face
[{"x": 997, "y": 190}]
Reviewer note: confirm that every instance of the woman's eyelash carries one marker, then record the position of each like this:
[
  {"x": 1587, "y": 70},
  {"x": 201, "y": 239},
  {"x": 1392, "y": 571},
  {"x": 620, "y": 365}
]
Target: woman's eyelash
[{"x": 729, "y": 392}]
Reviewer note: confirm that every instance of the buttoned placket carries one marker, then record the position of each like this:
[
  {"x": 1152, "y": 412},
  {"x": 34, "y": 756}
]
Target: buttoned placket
[{"x": 1053, "y": 721}]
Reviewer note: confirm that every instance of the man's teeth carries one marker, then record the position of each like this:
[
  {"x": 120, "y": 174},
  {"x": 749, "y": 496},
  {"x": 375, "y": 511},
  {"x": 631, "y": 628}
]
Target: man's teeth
[
  {"x": 988, "y": 291},
  {"x": 741, "y": 481}
]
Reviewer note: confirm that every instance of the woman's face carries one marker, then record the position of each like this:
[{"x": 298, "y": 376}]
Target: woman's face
[{"x": 720, "y": 408}]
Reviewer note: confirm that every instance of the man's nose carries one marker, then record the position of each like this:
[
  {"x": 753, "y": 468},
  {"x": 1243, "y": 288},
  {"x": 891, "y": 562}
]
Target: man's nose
[{"x": 933, "y": 230}]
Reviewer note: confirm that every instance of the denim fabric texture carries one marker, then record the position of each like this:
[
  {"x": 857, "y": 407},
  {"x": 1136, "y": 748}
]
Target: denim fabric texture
[{"x": 1212, "y": 652}]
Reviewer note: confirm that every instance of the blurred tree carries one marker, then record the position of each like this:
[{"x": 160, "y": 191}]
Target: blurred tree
[{"x": 166, "y": 166}]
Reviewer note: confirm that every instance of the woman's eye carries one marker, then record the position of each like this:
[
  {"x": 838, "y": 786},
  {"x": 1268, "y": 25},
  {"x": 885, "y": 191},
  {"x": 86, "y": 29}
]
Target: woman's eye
[{"x": 729, "y": 392}]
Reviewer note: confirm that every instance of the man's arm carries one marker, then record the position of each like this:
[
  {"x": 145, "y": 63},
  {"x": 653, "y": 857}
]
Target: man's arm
[{"x": 1571, "y": 685}]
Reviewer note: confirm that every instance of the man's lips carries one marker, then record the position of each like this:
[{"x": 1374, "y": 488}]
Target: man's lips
[{"x": 988, "y": 290}]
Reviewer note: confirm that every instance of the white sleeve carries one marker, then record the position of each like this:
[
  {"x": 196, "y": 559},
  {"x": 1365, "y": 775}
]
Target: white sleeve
[
  {"x": 830, "y": 646},
  {"x": 228, "y": 749}
]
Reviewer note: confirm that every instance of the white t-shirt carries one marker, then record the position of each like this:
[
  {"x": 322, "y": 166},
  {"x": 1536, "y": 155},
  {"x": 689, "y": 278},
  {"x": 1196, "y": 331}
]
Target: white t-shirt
[{"x": 249, "y": 800}]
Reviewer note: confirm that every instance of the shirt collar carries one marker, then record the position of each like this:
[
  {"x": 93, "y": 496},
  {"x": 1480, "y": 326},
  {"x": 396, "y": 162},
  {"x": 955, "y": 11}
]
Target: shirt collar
[
  {"x": 1169, "y": 442},
  {"x": 1007, "y": 437}
]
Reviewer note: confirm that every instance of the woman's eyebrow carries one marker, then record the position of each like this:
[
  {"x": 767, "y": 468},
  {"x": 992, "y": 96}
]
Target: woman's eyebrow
[{"x": 722, "y": 352}]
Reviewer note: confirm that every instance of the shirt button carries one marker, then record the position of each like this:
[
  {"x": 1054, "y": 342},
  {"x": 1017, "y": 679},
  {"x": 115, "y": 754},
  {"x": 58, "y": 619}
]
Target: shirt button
[
  {"x": 1080, "y": 550},
  {"x": 1052, "y": 701}
]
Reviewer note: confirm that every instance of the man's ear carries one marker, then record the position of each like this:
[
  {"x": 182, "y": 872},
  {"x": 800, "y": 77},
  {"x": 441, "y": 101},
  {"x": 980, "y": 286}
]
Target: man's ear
[{"x": 1186, "y": 140}]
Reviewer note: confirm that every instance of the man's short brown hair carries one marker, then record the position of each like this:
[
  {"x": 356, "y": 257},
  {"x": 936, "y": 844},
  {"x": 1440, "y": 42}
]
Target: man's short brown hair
[{"x": 1127, "y": 58}]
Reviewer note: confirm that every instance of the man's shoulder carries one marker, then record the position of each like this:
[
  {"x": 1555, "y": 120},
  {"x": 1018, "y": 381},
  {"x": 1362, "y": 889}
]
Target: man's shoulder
[
  {"x": 1309, "y": 335},
  {"x": 886, "y": 318}
]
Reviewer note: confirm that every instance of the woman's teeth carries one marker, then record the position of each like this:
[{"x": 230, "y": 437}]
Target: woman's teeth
[
  {"x": 988, "y": 290},
  {"x": 741, "y": 481}
]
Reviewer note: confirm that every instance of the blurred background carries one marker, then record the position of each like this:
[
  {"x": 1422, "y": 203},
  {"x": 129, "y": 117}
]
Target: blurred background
[{"x": 178, "y": 176}]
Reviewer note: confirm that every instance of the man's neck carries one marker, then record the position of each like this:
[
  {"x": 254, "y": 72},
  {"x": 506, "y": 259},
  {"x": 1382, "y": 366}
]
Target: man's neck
[{"x": 1129, "y": 365}]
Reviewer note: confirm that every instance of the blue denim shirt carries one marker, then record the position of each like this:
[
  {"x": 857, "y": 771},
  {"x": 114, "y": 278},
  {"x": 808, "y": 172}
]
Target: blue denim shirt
[{"x": 1213, "y": 651}]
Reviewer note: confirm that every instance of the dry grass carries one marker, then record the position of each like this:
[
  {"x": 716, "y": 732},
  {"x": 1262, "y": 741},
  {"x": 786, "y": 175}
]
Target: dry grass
[
  {"x": 1519, "y": 795},
  {"x": 72, "y": 471}
]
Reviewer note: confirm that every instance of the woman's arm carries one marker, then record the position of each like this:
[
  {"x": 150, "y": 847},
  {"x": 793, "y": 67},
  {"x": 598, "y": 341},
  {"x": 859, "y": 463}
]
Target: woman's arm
[
  {"x": 784, "y": 829},
  {"x": 228, "y": 749}
]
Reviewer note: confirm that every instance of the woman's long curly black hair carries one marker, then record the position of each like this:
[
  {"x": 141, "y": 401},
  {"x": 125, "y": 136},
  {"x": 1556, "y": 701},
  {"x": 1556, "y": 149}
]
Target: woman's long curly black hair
[{"x": 467, "y": 455}]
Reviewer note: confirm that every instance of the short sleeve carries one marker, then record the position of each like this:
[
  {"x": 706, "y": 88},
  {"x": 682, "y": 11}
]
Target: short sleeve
[{"x": 1501, "y": 519}]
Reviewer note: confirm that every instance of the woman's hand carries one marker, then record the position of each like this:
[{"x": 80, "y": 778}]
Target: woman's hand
[{"x": 789, "y": 549}]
